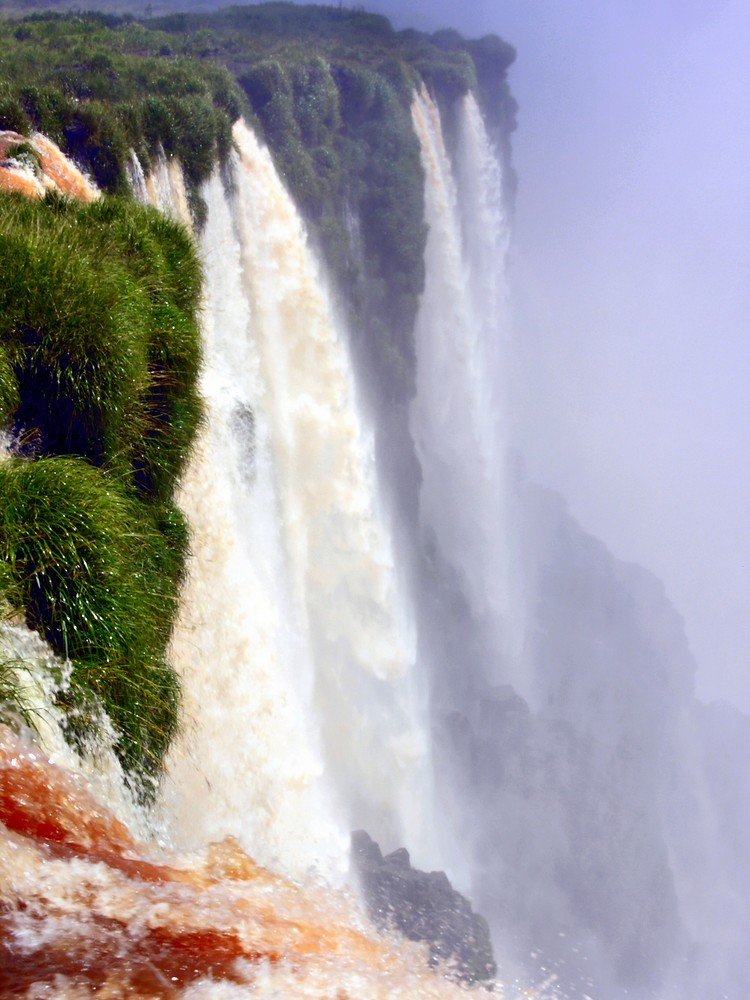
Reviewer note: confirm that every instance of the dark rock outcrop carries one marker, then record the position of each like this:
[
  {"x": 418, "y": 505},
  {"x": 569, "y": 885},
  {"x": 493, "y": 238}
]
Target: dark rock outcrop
[{"x": 423, "y": 906}]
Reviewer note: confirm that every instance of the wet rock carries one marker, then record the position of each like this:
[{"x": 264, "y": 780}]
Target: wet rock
[{"x": 423, "y": 906}]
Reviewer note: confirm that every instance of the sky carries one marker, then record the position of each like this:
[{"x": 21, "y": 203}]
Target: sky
[{"x": 631, "y": 283}]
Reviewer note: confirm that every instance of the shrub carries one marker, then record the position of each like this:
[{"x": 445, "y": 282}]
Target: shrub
[
  {"x": 99, "y": 358},
  {"x": 98, "y": 323},
  {"x": 86, "y": 564},
  {"x": 74, "y": 327}
]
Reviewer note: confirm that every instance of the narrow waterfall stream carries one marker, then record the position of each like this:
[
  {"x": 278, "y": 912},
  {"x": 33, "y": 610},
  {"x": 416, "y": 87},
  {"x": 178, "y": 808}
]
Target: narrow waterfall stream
[{"x": 457, "y": 414}]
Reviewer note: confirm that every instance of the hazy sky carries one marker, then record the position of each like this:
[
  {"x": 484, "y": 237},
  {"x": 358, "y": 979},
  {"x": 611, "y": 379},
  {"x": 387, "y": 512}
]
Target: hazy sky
[{"x": 631, "y": 275}]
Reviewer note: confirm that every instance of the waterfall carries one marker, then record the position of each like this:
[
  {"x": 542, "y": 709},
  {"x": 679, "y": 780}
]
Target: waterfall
[
  {"x": 576, "y": 785},
  {"x": 52, "y": 171},
  {"x": 91, "y": 910},
  {"x": 296, "y": 645},
  {"x": 165, "y": 187},
  {"x": 41, "y": 675},
  {"x": 249, "y": 764},
  {"x": 138, "y": 180},
  {"x": 457, "y": 415},
  {"x": 292, "y": 547}
]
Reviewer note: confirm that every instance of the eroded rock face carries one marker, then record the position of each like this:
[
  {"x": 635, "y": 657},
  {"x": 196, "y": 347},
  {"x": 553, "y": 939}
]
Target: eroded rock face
[{"x": 423, "y": 906}]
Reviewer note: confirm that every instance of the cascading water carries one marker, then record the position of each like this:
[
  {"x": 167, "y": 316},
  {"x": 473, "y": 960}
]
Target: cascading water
[
  {"x": 138, "y": 179},
  {"x": 165, "y": 189},
  {"x": 603, "y": 808},
  {"x": 457, "y": 413},
  {"x": 306, "y": 709},
  {"x": 344, "y": 581},
  {"x": 51, "y": 171},
  {"x": 249, "y": 763},
  {"x": 292, "y": 601},
  {"x": 90, "y": 910},
  {"x": 592, "y": 797},
  {"x": 292, "y": 546}
]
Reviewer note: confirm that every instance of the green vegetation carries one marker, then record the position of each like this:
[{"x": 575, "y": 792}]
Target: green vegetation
[
  {"x": 99, "y": 347},
  {"x": 94, "y": 576},
  {"x": 100, "y": 355},
  {"x": 100, "y": 86},
  {"x": 98, "y": 322},
  {"x": 330, "y": 89},
  {"x": 13, "y": 703}
]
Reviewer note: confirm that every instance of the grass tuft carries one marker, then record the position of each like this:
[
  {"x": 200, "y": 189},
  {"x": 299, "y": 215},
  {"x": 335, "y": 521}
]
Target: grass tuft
[
  {"x": 99, "y": 359},
  {"x": 92, "y": 572}
]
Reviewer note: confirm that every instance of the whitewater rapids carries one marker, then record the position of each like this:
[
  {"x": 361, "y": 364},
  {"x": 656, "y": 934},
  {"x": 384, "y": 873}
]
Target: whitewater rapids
[{"x": 86, "y": 909}]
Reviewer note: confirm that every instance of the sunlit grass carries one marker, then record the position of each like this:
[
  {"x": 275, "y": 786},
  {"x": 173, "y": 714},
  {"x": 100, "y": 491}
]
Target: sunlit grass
[
  {"x": 99, "y": 358},
  {"x": 91, "y": 572}
]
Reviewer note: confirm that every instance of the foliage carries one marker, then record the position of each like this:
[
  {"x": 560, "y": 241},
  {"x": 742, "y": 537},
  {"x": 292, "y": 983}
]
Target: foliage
[
  {"x": 9, "y": 398},
  {"x": 14, "y": 707},
  {"x": 87, "y": 568},
  {"x": 329, "y": 87},
  {"x": 99, "y": 356},
  {"x": 13, "y": 117},
  {"x": 331, "y": 90},
  {"x": 99, "y": 86},
  {"x": 99, "y": 348},
  {"x": 98, "y": 322}
]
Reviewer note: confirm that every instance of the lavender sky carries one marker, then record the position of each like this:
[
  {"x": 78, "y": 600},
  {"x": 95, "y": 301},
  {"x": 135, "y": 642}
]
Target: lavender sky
[
  {"x": 631, "y": 278},
  {"x": 633, "y": 293}
]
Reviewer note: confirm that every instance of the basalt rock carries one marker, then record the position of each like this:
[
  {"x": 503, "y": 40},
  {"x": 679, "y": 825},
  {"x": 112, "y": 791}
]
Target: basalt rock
[{"x": 423, "y": 906}]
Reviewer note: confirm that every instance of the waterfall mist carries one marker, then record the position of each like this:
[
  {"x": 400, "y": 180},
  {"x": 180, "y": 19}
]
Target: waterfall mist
[
  {"x": 446, "y": 656},
  {"x": 520, "y": 683}
]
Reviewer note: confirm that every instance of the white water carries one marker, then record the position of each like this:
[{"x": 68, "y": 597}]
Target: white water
[
  {"x": 294, "y": 616},
  {"x": 165, "y": 189},
  {"x": 457, "y": 417},
  {"x": 249, "y": 763},
  {"x": 138, "y": 180},
  {"x": 41, "y": 675},
  {"x": 293, "y": 611}
]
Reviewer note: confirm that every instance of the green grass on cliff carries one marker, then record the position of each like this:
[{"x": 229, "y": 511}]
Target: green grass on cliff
[
  {"x": 98, "y": 309},
  {"x": 92, "y": 574},
  {"x": 331, "y": 90},
  {"x": 99, "y": 356},
  {"x": 100, "y": 86}
]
